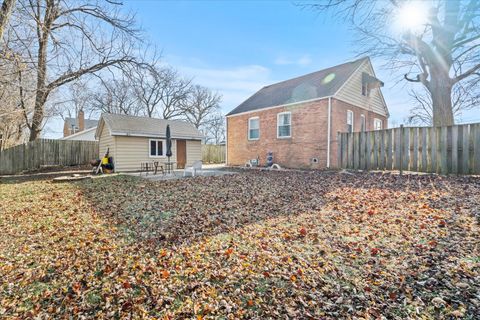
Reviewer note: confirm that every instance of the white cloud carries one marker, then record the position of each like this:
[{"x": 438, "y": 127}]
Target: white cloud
[
  {"x": 302, "y": 61},
  {"x": 235, "y": 84}
]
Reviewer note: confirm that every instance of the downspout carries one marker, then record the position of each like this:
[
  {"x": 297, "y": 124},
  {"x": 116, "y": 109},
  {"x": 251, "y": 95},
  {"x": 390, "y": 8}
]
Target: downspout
[
  {"x": 226, "y": 141},
  {"x": 329, "y": 121}
]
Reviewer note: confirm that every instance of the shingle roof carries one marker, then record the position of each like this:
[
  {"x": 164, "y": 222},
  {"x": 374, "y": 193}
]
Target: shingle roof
[
  {"x": 314, "y": 85},
  {"x": 125, "y": 125},
  {"x": 89, "y": 123}
]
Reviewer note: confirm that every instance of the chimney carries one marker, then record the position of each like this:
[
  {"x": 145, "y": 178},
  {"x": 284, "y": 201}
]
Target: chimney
[{"x": 81, "y": 120}]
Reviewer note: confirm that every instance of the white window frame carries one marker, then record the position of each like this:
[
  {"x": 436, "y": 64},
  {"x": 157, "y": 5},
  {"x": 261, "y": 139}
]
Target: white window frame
[
  {"x": 375, "y": 121},
  {"x": 350, "y": 112},
  {"x": 249, "y": 128},
  {"x": 363, "y": 122},
  {"x": 164, "y": 145},
  {"x": 278, "y": 125}
]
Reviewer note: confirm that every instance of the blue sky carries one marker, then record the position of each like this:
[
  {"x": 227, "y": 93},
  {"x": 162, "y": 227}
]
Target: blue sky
[{"x": 237, "y": 47}]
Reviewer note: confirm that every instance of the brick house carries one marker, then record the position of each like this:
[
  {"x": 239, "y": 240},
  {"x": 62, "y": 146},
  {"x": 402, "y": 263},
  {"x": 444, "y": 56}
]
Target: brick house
[
  {"x": 73, "y": 126},
  {"x": 298, "y": 119}
]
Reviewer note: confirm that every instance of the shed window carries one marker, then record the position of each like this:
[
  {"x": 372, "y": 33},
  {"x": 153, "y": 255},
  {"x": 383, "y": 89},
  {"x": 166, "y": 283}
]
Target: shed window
[
  {"x": 253, "y": 128},
  {"x": 156, "y": 148},
  {"x": 377, "y": 124},
  {"x": 349, "y": 121},
  {"x": 284, "y": 124}
]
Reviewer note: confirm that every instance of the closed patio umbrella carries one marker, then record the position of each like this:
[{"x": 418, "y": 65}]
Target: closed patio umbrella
[{"x": 169, "y": 144}]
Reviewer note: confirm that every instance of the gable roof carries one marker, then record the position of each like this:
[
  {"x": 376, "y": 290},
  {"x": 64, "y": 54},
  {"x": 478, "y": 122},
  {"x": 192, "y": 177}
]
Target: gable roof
[
  {"x": 89, "y": 123},
  {"x": 124, "y": 125},
  {"x": 314, "y": 85}
]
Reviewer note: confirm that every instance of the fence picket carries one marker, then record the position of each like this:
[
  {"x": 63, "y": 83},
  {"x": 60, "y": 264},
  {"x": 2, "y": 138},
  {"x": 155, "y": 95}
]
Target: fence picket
[{"x": 454, "y": 153}]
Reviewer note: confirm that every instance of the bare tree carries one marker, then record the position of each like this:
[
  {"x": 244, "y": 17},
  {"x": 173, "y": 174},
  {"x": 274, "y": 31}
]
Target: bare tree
[
  {"x": 463, "y": 99},
  {"x": 117, "y": 96},
  {"x": 5, "y": 12},
  {"x": 200, "y": 104},
  {"x": 444, "y": 52},
  {"x": 73, "y": 97},
  {"x": 63, "y": 40},
  {"x": 215, "y": 129},
  {"x": 16, "y": 103},
  {"x": 175, "y": 92},
  {"x": 148, "y": 82}
]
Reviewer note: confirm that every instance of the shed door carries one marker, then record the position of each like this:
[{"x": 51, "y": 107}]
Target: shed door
[{"x": 181, "y": 154}]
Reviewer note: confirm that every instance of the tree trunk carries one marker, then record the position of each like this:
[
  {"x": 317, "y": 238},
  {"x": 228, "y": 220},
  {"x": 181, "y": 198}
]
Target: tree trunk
[
  {"x": 41, "y": 94},
  {"x": 440, "y": 88},
  {"x": 38, "y": 115},
  {"x": 5, "y": 11}
]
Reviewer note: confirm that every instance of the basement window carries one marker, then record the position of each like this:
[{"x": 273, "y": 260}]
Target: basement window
[
  {"x": 156, "y": 148},
  {"x": 253, "y": 128}
]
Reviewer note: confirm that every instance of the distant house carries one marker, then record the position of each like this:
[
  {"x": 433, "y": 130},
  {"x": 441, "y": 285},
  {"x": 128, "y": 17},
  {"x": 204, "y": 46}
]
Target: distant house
[
  {"x": 85, "y": 135},
  {"x": 132, "y": 140},
  {"x": 298, "y": 119},
  {"x": 79, "y": 128}
]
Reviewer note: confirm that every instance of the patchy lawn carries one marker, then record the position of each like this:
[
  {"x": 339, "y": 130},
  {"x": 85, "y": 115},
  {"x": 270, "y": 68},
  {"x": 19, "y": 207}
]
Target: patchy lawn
[{"x": 254, "y": 245}]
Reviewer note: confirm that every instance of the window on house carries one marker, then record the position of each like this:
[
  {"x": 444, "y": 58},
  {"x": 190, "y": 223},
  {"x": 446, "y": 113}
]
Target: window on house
[
  {"x": 284, "y": 124},
  {"x": 349, "y": 121},
  {"x": 363, "y": 123},
  {"x": 253, "y": 128},
  {"x": 377, "y": 124},
  {"x": 156, "y": 148},
  {"x": 365, "y": 91}
]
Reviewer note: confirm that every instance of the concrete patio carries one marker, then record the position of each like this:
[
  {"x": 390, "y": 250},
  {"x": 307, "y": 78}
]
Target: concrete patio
[{"x": 207, "y": 171}]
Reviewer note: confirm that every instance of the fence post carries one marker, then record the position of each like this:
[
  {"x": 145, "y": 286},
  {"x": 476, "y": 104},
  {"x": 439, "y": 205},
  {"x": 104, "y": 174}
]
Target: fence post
[{"x": 401, "y": 149}]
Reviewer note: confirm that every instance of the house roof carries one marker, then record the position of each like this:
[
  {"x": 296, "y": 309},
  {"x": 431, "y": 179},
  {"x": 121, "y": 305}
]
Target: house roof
[
  {"x": 89, "y": 123},
  {"x": 124, "y": 125},
  {"x": 314, "y": 85},
  {"x": 79, "y": 133}
]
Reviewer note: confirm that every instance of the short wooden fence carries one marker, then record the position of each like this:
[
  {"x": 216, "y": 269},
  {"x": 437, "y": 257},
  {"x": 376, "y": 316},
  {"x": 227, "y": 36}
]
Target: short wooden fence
[
  {"x": 47, "y": 152},
  {"x": 453, "y": 149},
  {"x": 212, "y": 153}
]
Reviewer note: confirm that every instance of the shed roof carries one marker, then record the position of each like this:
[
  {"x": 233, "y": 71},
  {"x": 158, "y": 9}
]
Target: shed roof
[
  {"x": 314, "y": 85},
  {"x": 125, "y": 125}
]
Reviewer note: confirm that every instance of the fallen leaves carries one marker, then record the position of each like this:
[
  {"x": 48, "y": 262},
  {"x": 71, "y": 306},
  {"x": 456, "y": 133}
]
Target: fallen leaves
[{"x": 253, "y": 245}]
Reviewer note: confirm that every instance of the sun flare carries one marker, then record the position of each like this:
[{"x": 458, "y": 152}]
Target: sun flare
[{"x": 412, "y": 16}]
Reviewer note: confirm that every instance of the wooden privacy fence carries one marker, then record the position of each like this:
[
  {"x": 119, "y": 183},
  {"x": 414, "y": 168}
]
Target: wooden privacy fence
[
  {"x": 452, "y": 149},
  {"x": 47, "y": 152},
  {"x": 212, "y": 153}
]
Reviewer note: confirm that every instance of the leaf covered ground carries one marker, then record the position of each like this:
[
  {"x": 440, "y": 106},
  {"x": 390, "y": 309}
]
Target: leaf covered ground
[{"x": 256, "y": 245}]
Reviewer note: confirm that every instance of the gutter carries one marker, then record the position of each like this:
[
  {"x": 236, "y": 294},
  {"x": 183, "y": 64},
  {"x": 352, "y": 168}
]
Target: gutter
[
  {"x": 329, "y": 121},
  {"x": 155, "y": 136}
]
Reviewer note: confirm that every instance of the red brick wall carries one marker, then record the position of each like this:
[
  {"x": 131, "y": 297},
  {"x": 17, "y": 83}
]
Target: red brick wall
[
  {"x": 339, "y": 123},
  {"x": 308, "y": 134}
]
